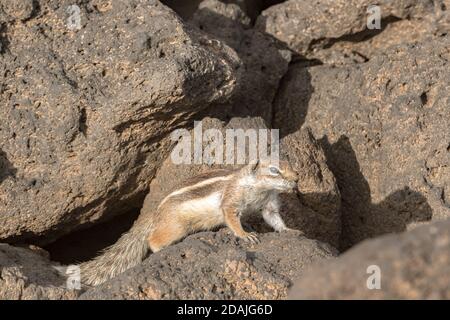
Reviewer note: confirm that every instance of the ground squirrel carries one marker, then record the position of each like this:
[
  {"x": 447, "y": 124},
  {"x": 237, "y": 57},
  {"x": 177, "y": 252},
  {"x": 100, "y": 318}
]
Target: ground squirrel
[{"x": 206, "y": 202}]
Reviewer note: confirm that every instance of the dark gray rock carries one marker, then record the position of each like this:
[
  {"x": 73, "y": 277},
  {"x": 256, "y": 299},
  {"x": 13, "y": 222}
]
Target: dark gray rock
[
  {"x": 412, "y": 265},
  {"x": 18, "y": 9},
  {"x": 253, "y": 8},
  {"x": 385, "y": 127},
  {"x": 185, "y": 9},
  {"x": 265, "y": 60},
  {"x": 211, "y": 265},
  {"x": 28, "y": 275},
  {"x": 85, "y": 112},
  {"x": 336, "y": 32},
  {"x": 87, "y": 109}
]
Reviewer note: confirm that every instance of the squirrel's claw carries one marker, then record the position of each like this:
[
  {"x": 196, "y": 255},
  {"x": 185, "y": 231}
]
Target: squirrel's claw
[{"x": 251, "y": 237}]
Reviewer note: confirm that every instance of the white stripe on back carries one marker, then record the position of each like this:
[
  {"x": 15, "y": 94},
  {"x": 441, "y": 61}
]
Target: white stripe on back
[{"x": 197, "y": 185}]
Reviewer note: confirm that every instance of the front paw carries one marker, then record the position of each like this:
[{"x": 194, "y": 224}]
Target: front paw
[{"x": 251, "y": 237}]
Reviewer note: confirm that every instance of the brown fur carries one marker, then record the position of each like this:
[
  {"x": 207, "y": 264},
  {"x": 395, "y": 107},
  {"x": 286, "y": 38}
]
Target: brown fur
[
  {"x": 202, "y": 203},
  {"x": 171, "y": 225}
]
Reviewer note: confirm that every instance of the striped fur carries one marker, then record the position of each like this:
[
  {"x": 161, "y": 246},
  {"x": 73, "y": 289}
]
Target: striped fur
[
  {"x": 205, "y": 202},
  {"x": 126, "y": 253}
]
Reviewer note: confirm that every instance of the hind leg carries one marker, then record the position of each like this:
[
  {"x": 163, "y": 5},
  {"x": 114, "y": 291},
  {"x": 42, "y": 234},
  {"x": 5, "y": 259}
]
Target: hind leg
[{"x": 164, "y": 235}]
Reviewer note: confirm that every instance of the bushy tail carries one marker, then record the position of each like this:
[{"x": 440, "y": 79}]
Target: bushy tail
[{"x": 126, "y": 253}]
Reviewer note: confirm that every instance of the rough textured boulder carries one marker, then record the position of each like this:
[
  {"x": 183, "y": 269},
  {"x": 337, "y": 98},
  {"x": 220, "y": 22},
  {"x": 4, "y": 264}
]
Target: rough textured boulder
[
  {"x": 265, "y": 60},
  {"x": 412, "y": 265},
  {"x": 18, "y": 9},
  {"x": 25, "y": 274},
  {"x": 86, "y": 108},
  {"x": 212, "y": 265},
  {"x": 385, "y": 126},
  {"x": 315, "y": 211},
  {"x": 336, "y": 32},
  {"x": 90, "y": 91}
]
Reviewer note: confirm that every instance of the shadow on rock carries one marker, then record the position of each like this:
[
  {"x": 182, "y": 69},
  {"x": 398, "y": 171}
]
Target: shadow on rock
[
  {"x": 6, "y": 167},
  {"x": 85, "y": 244},
  {"x": 289, "y": 120},
  {"x": 253, "y": 8},
  {"x": 299, "y": 213},
  {"x": 362, "y": 219}
]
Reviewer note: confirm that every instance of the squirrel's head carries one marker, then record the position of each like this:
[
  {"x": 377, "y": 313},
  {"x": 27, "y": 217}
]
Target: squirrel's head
[{"x": 272, "y": 176}]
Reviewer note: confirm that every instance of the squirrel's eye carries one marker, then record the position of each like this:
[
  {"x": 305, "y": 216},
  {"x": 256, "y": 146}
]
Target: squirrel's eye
[{"x": 274, "y": 170}]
